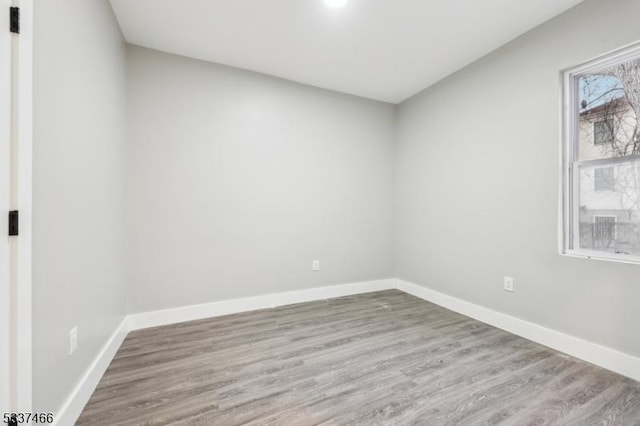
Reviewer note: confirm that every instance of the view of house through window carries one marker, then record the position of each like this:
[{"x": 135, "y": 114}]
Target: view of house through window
[
  {"x": 603, "y": 132},
  {"x": 604, "y": 161},
  {"x": 604, "y": 179}
]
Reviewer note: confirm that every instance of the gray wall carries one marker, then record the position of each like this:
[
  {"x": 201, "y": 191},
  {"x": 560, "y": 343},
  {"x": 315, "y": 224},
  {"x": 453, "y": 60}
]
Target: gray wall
[
  {"x": 79, "y": 271},
  {"x": 239, "y": 180},
  {"x": 476, "y": 184}
]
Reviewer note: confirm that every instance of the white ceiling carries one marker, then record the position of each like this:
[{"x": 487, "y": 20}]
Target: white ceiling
[{"x": 387, "y": 50}]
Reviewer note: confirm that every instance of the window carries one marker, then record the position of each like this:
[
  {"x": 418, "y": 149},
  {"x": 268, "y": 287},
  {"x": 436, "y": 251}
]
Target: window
[
  {"x": 603, "y": 132},
  {"x": 604, "y": 230},
  {"x": 603, "y": 179},
  {"x": 601, "y": 158}
]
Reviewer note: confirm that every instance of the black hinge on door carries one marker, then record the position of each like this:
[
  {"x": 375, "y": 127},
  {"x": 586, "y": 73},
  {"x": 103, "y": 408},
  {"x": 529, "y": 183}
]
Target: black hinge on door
[
  {"x": 14, "y": 228},
  {"x": 14, "y": 20}
]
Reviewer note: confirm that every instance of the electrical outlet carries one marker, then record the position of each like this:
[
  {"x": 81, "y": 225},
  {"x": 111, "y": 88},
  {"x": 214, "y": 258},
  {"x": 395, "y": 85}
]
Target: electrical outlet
[
  {"x": 315, "y": 265},
  {"x": 73, "y": 340},
  {"x": 508, "y": 284}
]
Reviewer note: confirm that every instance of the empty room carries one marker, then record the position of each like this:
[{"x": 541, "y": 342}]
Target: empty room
[{"x": 320, "y": 212}]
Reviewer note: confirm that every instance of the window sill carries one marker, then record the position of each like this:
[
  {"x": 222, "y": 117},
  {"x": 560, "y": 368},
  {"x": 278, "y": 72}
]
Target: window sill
[{"x": 633, "y": 260}]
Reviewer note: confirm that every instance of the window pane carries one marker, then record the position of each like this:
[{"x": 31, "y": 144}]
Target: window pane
[
  {"x": 609, "y": 208},
  {"x": 608, "y": 105},
  {"x": 603, "y": 132},
  {"x": 604, "y": 230},
  {"x": 604, "y": 179}
]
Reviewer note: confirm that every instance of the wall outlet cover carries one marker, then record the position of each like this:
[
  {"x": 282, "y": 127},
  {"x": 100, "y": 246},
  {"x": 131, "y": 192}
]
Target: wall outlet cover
[{"x": 508, "y": 284}]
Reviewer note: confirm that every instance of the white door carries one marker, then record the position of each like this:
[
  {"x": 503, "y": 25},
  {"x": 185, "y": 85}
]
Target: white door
[{"x": 6, "y": 296}]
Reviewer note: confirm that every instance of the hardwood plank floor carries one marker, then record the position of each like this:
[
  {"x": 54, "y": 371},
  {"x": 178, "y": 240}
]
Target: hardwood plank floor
[{"x": 384, "y": 358}]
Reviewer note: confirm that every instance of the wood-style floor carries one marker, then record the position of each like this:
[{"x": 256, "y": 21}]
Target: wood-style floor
[{"x": 379, "y": 358}]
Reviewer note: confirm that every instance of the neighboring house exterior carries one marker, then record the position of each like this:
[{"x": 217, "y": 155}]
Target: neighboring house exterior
[{"x": 610, "y": 188}]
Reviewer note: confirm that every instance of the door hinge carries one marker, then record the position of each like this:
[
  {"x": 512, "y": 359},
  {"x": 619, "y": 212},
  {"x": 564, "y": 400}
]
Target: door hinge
[
  {"x": 14, "y": 228},
  {"x": 14, "y": 20}
]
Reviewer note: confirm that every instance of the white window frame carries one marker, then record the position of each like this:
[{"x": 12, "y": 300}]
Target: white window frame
[{"x": 569, "y": 226}]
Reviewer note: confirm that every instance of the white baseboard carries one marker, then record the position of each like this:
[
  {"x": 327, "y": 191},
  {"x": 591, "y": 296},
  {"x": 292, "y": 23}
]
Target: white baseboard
[
  {"x": 602, "y": 356},
  {"x": 234, "y": 306},
  {"x": 70, "y": 411}
]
